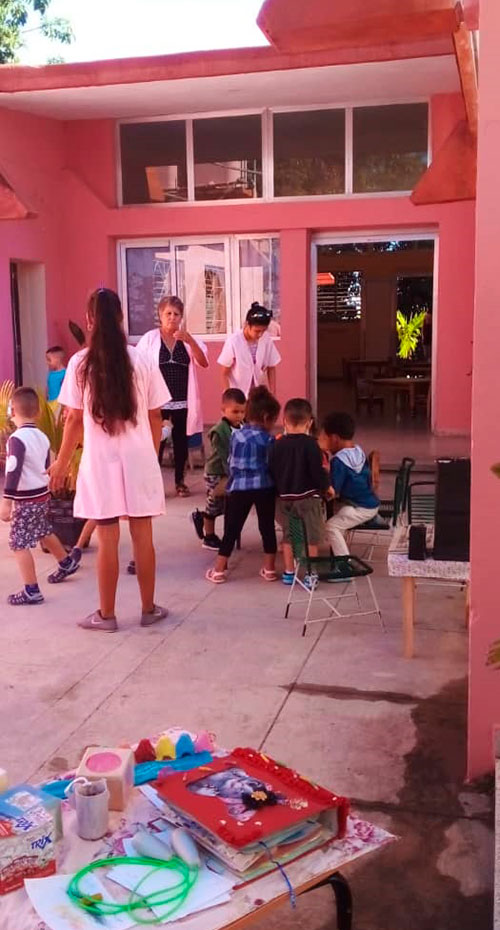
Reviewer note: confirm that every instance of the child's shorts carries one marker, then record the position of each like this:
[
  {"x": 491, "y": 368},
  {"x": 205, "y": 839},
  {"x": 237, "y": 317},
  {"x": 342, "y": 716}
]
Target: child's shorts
[
  {"x": 310, "y": 509},
  {"x": 30, "y": 522},
  {"x": 215, "y": 505}
]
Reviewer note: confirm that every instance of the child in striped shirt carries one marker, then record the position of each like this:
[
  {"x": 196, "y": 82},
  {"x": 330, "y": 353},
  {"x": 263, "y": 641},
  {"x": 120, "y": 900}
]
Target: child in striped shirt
[
  {"x": 250, "y": 484},
  {"x": 26, "y": 496}
]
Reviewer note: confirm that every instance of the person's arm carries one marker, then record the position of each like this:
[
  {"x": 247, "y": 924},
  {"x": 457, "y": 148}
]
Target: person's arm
[
  {"x": 225, "y": 378},
  {"x": 72, "y": 436},
  {"x": 198, "y": 353},
  {"x": 271, "y": 379},
  {"x": 155, "y": 422},
  {"x": 5, "y": 510}
]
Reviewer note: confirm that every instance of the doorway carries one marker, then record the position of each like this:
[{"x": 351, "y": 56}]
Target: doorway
[
  {"x": 373, "y": 306},
  {"x": 29, "y": 322}
]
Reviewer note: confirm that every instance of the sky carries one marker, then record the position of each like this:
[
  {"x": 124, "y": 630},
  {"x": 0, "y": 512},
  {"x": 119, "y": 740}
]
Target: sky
[{"x": 129, "y": 28}]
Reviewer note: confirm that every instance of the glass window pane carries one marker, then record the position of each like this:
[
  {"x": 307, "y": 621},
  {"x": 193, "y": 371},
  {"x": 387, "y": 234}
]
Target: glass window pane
[
  {"x": 153, "y": 160},
  {"x": 201, "y": 285},
  {"x": 149, "y": 278},
  {"x": 259, "y": 277},
  {"x": 309, "y": 153},
  {"x": 228, "y": 158},
  {"x": 389, "y": 147}
]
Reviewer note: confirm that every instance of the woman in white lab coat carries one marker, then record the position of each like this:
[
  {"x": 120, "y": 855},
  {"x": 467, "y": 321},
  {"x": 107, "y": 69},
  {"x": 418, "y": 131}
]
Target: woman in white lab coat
[{"x": 249, "y": 357}]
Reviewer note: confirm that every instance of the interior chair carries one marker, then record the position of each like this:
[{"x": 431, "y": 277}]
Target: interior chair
[
  {"x": 364, "y": 397},
  {"x": 329, "y": 580}
]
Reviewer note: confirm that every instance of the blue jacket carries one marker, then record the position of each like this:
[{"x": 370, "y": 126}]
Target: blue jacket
[{"x": 351, "y": 478}]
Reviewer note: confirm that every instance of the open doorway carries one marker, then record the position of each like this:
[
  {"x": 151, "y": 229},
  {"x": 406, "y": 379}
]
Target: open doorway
[
  {"x": 374, "y": 305},
  {"x": 29, "y": 322}
]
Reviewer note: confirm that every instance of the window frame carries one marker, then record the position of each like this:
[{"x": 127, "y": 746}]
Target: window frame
[
  {"x": 266, "y": 114},
  {"x": 231, "y": 267}
]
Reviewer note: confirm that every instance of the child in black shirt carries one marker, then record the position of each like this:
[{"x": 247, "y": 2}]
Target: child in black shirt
[{"x": 296, "y": 464}]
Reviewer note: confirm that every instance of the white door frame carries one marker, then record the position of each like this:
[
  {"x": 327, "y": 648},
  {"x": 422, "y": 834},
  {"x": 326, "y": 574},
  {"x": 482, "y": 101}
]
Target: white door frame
[{"x": 387, "y": 235}]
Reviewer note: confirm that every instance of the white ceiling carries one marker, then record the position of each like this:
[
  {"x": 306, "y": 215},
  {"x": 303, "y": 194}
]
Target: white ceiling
[{"x": 369, "y": 82}]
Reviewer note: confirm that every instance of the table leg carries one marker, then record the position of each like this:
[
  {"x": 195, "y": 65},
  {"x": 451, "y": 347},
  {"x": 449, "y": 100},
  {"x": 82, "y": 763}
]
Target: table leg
[
  {"x": 343, "y": 898},
  {"x": 411, "y": 392},
  {"x": 408, "y": 616}
]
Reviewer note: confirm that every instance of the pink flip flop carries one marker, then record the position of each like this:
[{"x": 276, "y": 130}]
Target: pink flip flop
[
  {"x": 268, "y": 574},
  {"x": 216, "y": 577}
]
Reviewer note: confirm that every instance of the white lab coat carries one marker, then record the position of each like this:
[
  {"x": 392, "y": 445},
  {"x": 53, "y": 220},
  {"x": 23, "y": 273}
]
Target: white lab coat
[
  {"x": 237, "y": 356},
  {"x": 150, "y": 345}
]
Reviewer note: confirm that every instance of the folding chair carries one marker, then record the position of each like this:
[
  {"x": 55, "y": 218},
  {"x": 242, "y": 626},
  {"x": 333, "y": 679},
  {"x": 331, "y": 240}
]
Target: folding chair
[
  {"x": 391, "y": 512},
  {"x": 421, "y": 507},
  {"x": 312, "y": 571}
]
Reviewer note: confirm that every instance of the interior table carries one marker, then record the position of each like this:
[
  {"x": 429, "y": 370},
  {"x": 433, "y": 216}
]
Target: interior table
[
  {"x": 248, "y": 903},
  {"x": 405, "y": 385},
  {"x": 429, "y": 570}
]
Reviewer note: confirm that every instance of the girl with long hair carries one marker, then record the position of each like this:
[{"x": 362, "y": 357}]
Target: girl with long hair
[{"x": 114, "y": 396}]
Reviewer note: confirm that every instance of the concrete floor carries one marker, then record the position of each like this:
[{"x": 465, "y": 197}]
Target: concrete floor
[{"x": 340, "y": 704}]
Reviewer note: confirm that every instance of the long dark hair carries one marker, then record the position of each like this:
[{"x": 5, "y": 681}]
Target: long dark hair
[{"x": 107, "y": 370}]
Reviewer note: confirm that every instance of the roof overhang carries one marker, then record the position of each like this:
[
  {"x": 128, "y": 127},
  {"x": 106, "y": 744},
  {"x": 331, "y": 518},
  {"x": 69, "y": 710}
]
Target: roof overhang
[{"x": 180, "y": 92}]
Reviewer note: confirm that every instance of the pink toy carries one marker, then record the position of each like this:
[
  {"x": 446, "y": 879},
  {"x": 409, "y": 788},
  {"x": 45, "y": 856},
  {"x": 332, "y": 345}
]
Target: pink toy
[{"x": 116, "y": 766}]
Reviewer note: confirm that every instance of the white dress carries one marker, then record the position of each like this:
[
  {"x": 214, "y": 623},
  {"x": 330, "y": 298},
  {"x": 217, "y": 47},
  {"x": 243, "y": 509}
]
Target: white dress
[{"x": 119, "y": 475}]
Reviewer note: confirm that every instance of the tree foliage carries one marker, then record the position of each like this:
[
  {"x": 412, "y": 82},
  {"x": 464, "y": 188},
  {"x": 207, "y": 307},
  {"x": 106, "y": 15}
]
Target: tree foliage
[{"x": 14, "y": 16}]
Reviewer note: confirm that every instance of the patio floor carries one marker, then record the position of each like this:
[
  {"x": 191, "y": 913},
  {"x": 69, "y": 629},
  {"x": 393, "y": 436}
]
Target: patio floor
[{"x": 340, "y": 704}]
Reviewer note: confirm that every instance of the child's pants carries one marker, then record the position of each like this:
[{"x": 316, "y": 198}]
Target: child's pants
[
  {"x": 346, "y": 518},
  {"x": 238, "y": 506}
]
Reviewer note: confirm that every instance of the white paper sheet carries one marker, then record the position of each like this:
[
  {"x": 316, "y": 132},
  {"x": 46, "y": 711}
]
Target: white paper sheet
[
  {"x": 210, "y": 889},
  {"x": 51, "y": 902}
]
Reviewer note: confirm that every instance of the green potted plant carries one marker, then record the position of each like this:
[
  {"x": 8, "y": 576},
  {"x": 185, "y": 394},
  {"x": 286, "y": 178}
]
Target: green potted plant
[
  {"x": 409, "y": 331},
  {"x": 6, "y": 391}
]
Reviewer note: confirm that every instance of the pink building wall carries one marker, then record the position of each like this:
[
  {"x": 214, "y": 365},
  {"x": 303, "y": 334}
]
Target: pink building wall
[
  {"x": 31, "y": 159},
  {"x": 87, "y": 223},
  {"x": 484, "y": 687}
]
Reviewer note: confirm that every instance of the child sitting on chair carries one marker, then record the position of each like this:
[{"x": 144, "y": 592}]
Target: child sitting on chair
[
  {"x": 350, "y": 478},
  {"x": 295, "y": 463}
]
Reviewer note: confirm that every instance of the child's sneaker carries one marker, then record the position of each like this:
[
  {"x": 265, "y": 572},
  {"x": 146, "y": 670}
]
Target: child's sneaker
[
  {"x": 310, "y": 581},
  {"x": 67, "y": 567},
  {"x": 26, "y": 597},
  {"x": 198, "y": 521},
  {"x": 211, "y": 541},
  {"x": 287, "y": 577},
  {"x": 76, "y": 555}
]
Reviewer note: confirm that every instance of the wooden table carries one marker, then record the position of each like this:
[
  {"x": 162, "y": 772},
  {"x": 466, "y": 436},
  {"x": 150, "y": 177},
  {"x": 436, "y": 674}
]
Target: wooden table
[
  {"x": 403, "y": 384},
  {"x": 248, "y": 903},
  {"x": 427, "y": 571}
]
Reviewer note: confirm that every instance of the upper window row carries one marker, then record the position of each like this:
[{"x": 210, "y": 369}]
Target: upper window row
[{"x": 314, "y": 152}]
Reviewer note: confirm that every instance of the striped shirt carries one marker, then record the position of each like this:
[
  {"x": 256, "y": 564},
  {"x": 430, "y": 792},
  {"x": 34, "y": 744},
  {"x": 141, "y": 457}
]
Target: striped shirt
[{"x": 248, "y": 468}]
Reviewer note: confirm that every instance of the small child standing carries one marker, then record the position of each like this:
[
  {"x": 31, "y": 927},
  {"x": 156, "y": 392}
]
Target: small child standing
[
  {"x": 26, "y": 499},
  {"x": 57, "y": 370},
  {"x": 217, "y": 466},
  {"x": 250, "y": 484},
  {"x": 350, "y": 478},
  {"x": 296, "y": 465}
]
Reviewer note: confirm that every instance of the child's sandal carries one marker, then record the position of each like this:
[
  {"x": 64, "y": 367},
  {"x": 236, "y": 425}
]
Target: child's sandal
[
  {"x": 216, "y": 577},
  {"x": 268, "y": 574}
]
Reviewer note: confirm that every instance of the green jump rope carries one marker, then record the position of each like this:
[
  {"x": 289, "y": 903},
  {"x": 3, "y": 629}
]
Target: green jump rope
[{"x": 174, "y": 896}]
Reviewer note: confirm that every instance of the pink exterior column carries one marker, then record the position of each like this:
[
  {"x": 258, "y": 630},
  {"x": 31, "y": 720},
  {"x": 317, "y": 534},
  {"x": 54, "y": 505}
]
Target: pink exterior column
[
  {"x": 484, "y": 689},
  {"x": 292, "y": 374}
]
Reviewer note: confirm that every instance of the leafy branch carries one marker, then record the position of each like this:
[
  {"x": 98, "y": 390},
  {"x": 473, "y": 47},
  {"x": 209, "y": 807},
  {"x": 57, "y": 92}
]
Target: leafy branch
[{"x": 409, "y": 330}]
